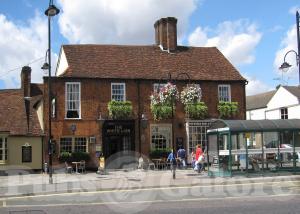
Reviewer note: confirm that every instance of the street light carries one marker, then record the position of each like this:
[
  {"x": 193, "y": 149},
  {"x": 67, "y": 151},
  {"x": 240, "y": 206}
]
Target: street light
[
  {"x": 172, "y": 104},
  {"x": 285, "y": 66},
  {"x": 51, "y": 11}
]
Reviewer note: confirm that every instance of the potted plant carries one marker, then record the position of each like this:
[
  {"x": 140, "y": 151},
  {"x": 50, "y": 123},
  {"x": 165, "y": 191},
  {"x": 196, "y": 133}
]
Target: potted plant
[
  {"x": 119, "y": 109},
  {"x": 160, "y": 153},
  {"x": 65, "y": 157},
  {"x": 228, "y": 109}
]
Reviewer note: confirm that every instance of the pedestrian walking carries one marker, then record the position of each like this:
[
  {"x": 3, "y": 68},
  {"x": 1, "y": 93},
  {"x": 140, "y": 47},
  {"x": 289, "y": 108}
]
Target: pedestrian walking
[
  {"x": 181, "y": 154},
  {"x": 199, "y": 158}
]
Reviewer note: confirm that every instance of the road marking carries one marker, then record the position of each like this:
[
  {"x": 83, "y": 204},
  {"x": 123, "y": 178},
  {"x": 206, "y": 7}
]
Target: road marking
[
  {"x": 146, "y": 189},
  {"x": 155, "y": 201},
  {"x": 4, "y": 204}
]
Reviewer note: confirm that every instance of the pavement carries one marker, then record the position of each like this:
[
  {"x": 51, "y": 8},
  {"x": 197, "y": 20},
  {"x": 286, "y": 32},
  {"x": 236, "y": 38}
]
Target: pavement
[{"x": 24, "y": 184}]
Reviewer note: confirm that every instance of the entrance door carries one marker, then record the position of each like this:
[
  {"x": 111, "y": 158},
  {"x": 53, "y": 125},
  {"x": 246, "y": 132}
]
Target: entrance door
[{"x": 118, "y": 143}]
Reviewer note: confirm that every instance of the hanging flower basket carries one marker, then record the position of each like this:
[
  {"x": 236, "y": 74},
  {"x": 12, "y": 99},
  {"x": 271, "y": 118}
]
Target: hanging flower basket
[
  {"x": 191, "y": 94},
  {"x": 163, "y": 102},
  {"x": 228, "y": 109}
]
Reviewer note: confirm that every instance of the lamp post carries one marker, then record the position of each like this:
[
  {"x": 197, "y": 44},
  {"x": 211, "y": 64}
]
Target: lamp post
[
  {"x": 285, "y": 66},
  {"x": 172, "y": 104},
  {"x": 51, "y": 11}
]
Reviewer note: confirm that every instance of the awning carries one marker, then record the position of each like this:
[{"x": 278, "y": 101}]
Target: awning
[{"x": 253, "y": 125}]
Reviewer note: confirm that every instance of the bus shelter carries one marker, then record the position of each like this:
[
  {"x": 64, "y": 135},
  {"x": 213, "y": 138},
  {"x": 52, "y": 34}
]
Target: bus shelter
[{"x": 253, "y": 146}]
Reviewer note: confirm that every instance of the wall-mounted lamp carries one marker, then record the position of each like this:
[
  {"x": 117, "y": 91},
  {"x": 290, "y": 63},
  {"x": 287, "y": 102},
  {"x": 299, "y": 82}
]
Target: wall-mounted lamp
[
  {"x": 101, "y": 119},
  {"x": 144, "y": 121},
  {"x": 73, "y": 128}
]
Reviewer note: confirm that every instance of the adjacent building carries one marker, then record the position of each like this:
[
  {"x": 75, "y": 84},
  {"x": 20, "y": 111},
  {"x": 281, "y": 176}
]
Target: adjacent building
[
  {"x": 21, "y": 127},
  {"x": 282, "y": 103},
  {"x": 88, "y": 77}
]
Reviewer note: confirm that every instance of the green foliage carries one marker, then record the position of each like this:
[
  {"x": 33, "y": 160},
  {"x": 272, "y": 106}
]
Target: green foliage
[
  {"x": 119, "y": 109},
  {"x": 228, "y": 109},
  {"x": 78, "y": 156},
  {"x": 160, "y": 153},
  {"x": 65, "y": 157},
  {"x": 197, "y": 110},
  {"x": 75, "y": 156},
  {"x": 162, "y": 111}
]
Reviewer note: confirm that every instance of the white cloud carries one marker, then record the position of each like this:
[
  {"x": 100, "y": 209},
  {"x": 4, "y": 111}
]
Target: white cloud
[
  {"x": 120, "y": 21},
  {"x": 255, "y": 86},
  {"x": 236, "y": 40},
  {"x": 20, "y": 45},
  {"x": 289, "y": 42},
  {"x": 294, "y": 9}
]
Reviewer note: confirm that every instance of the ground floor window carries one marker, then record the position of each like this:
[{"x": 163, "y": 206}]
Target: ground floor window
[
  {"x": 161, "y": 136},
  {"x": 196, "y": 132},
  {"x": 3, "y": 149},
  {"x": 73, "y": 144}
]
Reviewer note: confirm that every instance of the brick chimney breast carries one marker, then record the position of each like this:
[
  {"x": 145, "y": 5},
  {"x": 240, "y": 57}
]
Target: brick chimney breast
[
  {"x": 26, "y": 80},
  {"x": 166, "y": 33}
]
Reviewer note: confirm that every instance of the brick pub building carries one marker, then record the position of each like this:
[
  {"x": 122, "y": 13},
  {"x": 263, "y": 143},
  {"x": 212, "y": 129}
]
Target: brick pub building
[{"x": 89, "y": 76}]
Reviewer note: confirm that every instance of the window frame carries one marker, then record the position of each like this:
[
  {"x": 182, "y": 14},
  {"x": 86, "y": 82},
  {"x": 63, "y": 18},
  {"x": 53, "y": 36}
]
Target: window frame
[
  {"x": 157, "y": 86},
  {"x": 73, "y": 143},
  {"x": 168, "y": 144},
  {"x": 4, "y": 149},
  {"x": 66, "y": 100},
  {"x": 229, "y": 92},
  {"x": 284, "y": 113},
  {"x": 111, "y": 90}
]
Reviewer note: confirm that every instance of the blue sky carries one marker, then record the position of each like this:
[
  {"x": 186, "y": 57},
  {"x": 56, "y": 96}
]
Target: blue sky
[{"x": 252, "y": 34}]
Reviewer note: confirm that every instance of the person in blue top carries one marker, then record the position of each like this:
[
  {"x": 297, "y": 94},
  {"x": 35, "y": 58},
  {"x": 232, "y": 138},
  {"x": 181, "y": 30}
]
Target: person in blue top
[
  {"x": 181, "y": 154},
  {"x": 172, "y": 158}
]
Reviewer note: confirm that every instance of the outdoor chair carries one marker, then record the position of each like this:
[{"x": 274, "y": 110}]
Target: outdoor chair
[
  {"x": 150, "y": 164},
  {"x": 82, "y": 166},
  {"x": 68, "y": 169}
]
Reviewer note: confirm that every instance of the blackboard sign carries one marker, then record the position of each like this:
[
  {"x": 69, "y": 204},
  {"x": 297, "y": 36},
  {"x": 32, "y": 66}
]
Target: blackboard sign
[{"x": 26, "y": 154}]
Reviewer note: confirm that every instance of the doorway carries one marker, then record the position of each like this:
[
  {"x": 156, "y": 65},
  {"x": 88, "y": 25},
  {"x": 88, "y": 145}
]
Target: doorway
[{"x": 118, "y": 143}]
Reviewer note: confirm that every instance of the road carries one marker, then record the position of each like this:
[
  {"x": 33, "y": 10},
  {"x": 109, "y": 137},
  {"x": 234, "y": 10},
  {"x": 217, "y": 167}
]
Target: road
[{"x": 261, "y": 197}]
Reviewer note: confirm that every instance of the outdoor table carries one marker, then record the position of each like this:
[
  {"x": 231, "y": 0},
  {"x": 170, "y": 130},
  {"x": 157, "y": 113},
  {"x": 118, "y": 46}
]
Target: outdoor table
[
  {"x": 76, "y": 165},
  {"x": 156, "y": 162}
]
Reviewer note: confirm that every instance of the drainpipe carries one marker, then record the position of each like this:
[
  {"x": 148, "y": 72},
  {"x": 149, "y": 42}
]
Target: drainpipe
[{"x": 139, "y": 116}]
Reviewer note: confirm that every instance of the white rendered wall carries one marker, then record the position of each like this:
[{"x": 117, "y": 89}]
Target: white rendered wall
[
  {"x": 257, "y": 114},
  {"x": 282, "y": 98},
  {"x": 62, "y": 64}
]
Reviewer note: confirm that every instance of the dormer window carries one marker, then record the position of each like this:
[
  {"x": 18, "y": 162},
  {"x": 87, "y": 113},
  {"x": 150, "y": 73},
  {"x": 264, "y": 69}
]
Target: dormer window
[
  {"x": 72, "y": 98},
  {"x": 118, "y": 91}
]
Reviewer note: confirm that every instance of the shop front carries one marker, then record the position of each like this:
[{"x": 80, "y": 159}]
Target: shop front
[{"x": 253, "y": 147}]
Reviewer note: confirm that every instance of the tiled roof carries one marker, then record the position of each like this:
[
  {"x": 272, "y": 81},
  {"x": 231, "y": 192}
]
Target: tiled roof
[
  {"x": 259, "y": 100},
  {"x": 13, "y": 114},
  {"x": 147, "y": 62}
]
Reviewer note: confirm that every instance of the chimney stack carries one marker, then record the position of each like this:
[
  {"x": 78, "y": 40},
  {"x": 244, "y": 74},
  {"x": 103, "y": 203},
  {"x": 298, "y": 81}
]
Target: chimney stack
[
  {"x": 166, "y": 33},
  {"x": 26, "y": 80}
]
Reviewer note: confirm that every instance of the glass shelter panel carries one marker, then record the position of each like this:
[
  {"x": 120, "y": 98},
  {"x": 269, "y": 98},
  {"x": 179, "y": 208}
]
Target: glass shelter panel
[
  {"x": 285, "y": 157},
  {"x": 270, "y": 145},
  {"x": 297, "y": 149},
  {"x": 254, "y": 150}
]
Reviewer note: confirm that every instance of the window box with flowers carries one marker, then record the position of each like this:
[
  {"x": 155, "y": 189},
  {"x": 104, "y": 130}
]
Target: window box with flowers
[
  {"x": 119, "y": 109},
  {"x": 228, "y": 110},
  {"x": 190, "y": 97},
  {"x": 161, "y": 102}
]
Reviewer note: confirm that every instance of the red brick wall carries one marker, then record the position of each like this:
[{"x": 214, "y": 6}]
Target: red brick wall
[{"x": 96, "y": 93}]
